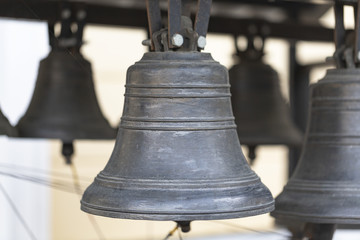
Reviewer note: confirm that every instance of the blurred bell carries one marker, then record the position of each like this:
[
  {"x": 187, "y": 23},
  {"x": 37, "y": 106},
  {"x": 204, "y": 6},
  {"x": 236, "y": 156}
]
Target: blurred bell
[
  {"x": 261, "y": 113},
  {"x": 325, "y": 187},
  {"x": 5, "y": 126},
  {"x": 64, "y": 104},
  {"x": 177, "y": 156}
]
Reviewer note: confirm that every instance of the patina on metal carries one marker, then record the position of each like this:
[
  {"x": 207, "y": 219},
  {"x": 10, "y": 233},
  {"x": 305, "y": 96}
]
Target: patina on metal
[
  {"x": 64, "y": 104},
  {"x": 5, "y": 127},
  {"x": 177, "y": 156},
  {"x": 325, "y": 187},
  {"x": 261, "y": 113}
]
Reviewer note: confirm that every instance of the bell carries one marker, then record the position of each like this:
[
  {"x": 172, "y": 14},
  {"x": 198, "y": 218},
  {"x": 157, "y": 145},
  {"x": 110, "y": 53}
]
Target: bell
[
  {"x": 64, "y": 104},
  {"x": 261, "y": 113},
  {"x": 5, "y": 126},
  {"x": 177, "y": 156},
  {"x": 325, "y": 187}
]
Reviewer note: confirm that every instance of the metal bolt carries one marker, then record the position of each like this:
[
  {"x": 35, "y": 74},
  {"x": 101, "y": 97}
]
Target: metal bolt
[
  {"x": 81, "y": 14},
  {"x": 146, "y": 42},
  {"x": 201, "y": 42},
  {"x": 252, "y": 29},
  {"x": 66, "y": 13},
  {"x": 177, "y": 40}
]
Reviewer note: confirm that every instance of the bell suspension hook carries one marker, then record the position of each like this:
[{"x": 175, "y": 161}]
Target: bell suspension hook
[
  {"x": 68, "y": 151},
  {"x": 347, "y": 44},
  {"x": 253, "y": 51},
  {"x": 181, "y": 34},
  {"x": 70, "y": 38}
]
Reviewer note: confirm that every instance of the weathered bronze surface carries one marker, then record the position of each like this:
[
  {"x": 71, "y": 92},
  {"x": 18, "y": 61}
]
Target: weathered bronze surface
[
  {"x": 177, "y": 156},
  {"x": 325, "y": 187},
  {"x": 64, "y": 104},
  {"x": 261, "y": 113},
  {"x": 5, "y": 126}
]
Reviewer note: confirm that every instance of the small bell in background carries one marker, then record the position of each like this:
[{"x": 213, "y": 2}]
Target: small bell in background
[
  {"x": 261, "y": 113},
  {"x": 64, "y": 104},
  {"x": 5, "y": 127}
]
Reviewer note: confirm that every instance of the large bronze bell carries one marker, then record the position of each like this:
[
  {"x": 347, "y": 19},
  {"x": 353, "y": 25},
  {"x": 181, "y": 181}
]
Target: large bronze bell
[
  {"x": 64, "y": 104},
  {"x": 5, "y": 126},
  {"x": 325, "y": 187},
  {"x": 177, "y": 156}
]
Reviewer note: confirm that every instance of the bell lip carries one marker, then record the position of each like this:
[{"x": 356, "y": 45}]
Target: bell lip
[
  {"x": 238, "y": 205},
  {"x": 63, "y": 133},
  {"x": 10, "y": 132},
  {"x": 6, "y": 129},
  {"x": 308, "y": 211},
  {"x": 284, "y": 216},
  {"x": 263, "y": 209}
]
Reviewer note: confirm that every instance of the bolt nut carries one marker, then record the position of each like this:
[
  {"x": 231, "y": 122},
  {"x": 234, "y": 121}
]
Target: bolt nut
[
  {"x": 81, "y": 14},
  {"x": 146, "y": 42},
  {"x": 65, "y": 14},
  {"x": 201, "y": 42},
  {"x": 177, "y": 40}
]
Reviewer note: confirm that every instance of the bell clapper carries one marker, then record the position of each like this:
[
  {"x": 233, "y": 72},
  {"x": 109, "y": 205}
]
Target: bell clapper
[
  {"x": 67, "y": 152},
  {"x": 316, "y": 231},
  {"x": 181, "y": 34},
  {"x": 251, "y": 154},
  {"x": 184, "y": 226}
]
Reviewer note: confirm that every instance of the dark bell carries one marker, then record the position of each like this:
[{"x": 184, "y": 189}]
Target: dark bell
[
  {"x": 5, "y": 126},
  {"x": 325, "y": 187},
  {"x": 177, "y": 156},
  {"x": 64, "y": 104},
  {"x": 261, "y": 113}
]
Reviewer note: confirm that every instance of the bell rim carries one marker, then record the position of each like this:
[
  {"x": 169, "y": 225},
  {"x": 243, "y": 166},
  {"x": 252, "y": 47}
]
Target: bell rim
[
  {"x": 258, "y": 210},
  {"x": 311, "y": 208},
  {"x": 65, "y": 132},
  {"x": 284, "y": 215}
]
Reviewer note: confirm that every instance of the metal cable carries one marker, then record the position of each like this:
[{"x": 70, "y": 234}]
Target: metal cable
[
  {"x": 79, "y": 191},
  {"x": 17, "y": 213}
]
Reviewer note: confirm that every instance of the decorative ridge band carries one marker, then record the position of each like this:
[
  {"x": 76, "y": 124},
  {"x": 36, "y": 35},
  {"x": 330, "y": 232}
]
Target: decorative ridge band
[
  {"x": 124, "y": 183},
  {"x": 339, "y": 109},
  {"x": 319, "y": 99},
  {"x": 333, "y": 139},
  {"x": 181, "y": 120},
  {"x": 177, "y": 96},
  {"x": 322, "y": 186},
  {"x": 333, "y": 135},
  {"x": 177, "y": 86},
  {"x": 316, "y": 218},
  {"x": 177, "y": 126}
]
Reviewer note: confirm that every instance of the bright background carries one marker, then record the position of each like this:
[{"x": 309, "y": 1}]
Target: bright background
[{"x": 54, "y": 214}]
